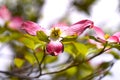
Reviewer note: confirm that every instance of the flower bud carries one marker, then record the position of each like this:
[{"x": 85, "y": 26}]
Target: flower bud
[{"x": 54, "y": 48}]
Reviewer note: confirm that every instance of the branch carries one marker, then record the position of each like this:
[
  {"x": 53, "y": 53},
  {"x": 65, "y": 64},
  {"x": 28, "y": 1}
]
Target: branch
[
  {"x": 103, "y": 50},
  {"x": 76, "y": 64},
  {"x": 37, "y": 61},
  {"x": 65, "y": 68},
  {"x": 70, "y": 65},
  {"x": 17, "y": 75}
]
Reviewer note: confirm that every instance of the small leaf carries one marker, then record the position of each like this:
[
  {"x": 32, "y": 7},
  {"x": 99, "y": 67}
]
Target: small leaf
[
  {"x": 72, "y": 71},
  {"x": 70, "y": 38},
  {"x": 29, "y": 43},
  {"x": 30, "y": 58},
  {"x": 115, "y": 54},
  {"x": 42, "y": 36},
  {"x": 92, "y": 37},
  {"x": 105, "y": 65},
  {"x": 18, "y": 62},
  {"x": 50, "y": 59},
  {"x": 34, "y": 38},
  {"x": 81, "y": 48},
  {"x": 115, "y": 46},
  {"x": 69, "y": 48}
]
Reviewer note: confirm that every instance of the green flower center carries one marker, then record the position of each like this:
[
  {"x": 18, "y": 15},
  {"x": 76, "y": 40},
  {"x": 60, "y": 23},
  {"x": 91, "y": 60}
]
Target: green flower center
[{"x": 55, "y": 33}]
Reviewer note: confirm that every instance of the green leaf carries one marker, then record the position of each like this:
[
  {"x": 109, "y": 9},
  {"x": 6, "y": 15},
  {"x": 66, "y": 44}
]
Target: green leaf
[
  {"x": 2, "y": 29},
  {"x": 92, "y": 37},
  {"x": 69, "y": 48},
  {"x": 50, "y": 59},
  {"x": 34, "y": 38},
  {"x": 84, "y": 5},
  {"x": 115, "y": 54},
  {"x": 18, "y": 62},
  {"x": 29, "y": 43},
  {"x": 105, "y": 65},
  {"x": 42, "y": 36},
  {"x": 81, "y": 48},
  {"x": 72, "y": 71},
  {"x": 30, "y": 58},
  {"x": 70, "y": 38},
  {"x": 113, "y": 45}
]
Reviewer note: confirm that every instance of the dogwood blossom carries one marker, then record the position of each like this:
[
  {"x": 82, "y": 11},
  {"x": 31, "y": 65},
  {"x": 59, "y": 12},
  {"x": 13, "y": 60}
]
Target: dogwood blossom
[
  {"x": 100, "y": 35},
  {"x": 13, "y": 22},
  {"x": 57, "y": 33}
]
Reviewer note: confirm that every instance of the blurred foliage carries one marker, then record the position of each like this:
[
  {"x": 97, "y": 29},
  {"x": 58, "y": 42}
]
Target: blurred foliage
[
  {"x": 84, "y": 5},
  {"x": 28, "y": 9},
  {"x": 29, "y": 51}
]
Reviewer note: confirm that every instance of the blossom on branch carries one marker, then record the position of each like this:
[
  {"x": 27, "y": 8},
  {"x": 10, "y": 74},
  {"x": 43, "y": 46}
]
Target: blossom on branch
[
  {"x": 57, "y": 33},
  {"x": 102, "y": 37},
  {"x": 6, "y": 17}
]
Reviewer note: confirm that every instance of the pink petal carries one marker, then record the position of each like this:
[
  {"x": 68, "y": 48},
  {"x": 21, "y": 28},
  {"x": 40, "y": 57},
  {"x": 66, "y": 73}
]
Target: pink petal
[
  {"x": 118, "y": 35},
  {"x": 113, "y": 39},
  {"x": 99, "y": 32},
  {"x": 54, "y": 48},
  {"x": 5, "y": 13},
  {"x": 15, "y": 23},
  {"x": 79, "y": 27},
  {"x": 31, "y": 27},
  {"x": 59, "y": 25}
]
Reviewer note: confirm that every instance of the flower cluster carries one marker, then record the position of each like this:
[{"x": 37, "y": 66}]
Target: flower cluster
[
  {"x": 13, "y": 22},
  {"x": 57, "y": 33}
]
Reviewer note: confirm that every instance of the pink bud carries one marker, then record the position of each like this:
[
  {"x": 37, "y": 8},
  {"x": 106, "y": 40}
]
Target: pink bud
[
  {"x": 5, "y": 13},
  {"x": 54, "y": 48},
  {"x": 15, "y": 23}
]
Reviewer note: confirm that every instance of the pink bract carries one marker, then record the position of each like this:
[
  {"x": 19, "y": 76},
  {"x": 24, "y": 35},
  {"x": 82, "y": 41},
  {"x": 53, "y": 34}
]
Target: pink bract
[
  {"x": 77, "y": 28},
  {"x": 31, "y": 27}
]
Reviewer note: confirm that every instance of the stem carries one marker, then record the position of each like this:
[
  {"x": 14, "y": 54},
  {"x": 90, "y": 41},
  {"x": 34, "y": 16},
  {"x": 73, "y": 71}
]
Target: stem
[
  {"x": 37, "y": 61},
  {"x": 40, "y": 66},
  {"x": 22, "y": 69}
]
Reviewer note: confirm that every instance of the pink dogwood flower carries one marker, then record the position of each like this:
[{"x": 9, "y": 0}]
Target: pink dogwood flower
[
  {"x": 57, "y": 33},
  {"x": 6, "y": 17},
  {"x": 5, "y": 14},
  {"x": 15, "y": 23},
  {"x": 118, "y": 35},
  {"x": 105, "y": 37}
]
